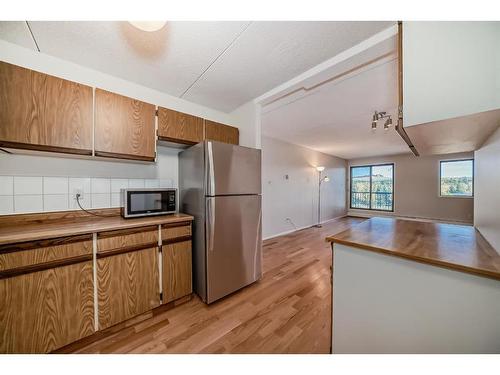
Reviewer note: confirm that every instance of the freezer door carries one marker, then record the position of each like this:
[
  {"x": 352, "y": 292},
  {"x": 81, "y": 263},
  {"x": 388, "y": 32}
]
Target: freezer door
[
  {"x": 231, "y": 169},
  {"x": 234, "y": 243}
]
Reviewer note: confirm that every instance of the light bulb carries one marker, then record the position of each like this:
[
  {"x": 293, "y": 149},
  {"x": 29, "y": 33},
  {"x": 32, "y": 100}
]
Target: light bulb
[
  {"x": 327, "y": 179},
  {"x": 320, "y": 168},
  {"x": 148, "y": 26}
]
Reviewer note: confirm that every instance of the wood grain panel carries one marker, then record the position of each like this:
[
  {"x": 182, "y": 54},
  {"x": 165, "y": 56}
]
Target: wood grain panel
[
  {"x": 457, "y": 247},
  {"x": 43, "y": 311},
  {"x": 128, "y": 285},
  {"x": 215, "y": 131},
  {"x": 175, "y": 231},
  {"x": 41, "y": 110},
  {"x": 128, "y": 237},
  {"x": 179, "y": 127},
  {"x": 24, "y": 254},
  {"x": 177, "y": 270},
  {"x": 41, "y": 226},
  {"x": 124, "y": 126}
]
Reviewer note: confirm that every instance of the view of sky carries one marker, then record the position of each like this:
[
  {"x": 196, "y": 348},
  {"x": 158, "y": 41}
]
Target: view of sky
[
  {"x": 380, "y": 170},
  {"x": 461, "y": 168}
]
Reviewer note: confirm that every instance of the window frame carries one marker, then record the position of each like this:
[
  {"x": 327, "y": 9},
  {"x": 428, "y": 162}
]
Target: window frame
[
  {"x": 440, "y": 176},
  {"x": 371, "y": 166}
]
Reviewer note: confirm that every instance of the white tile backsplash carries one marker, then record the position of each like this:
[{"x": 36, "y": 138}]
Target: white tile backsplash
[
  {"x": 166, "y": 183},
  {"x": 55, "y": 202},
  {"x": 151, "y": 183},
  {"x": 25, "y": 194},
  {"x": 6, "y": 204},
  {"x": 116, "y": 200},
  {"x": 55, "y": 185},
  {"x": 100, "y": 185},
  {"x": 28, "y": 203},
  {"x": 85, "y": 202},
  {"x": 27, "y": 185},
  {"x": 6, "y": 185},
  {"x": 136, "y": 183},
  {"x": 101, "y": 200},
  {"x": 117, "y": 184}
]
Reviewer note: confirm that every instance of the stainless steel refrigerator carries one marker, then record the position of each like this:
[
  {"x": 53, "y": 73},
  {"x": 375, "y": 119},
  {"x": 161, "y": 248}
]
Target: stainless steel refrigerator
[{"x": 220, "y": 185}]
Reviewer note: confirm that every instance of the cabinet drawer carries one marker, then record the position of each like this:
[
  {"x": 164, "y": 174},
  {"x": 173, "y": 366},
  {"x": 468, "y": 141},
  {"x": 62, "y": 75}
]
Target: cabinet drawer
[
  {"x": 175, "y": 230},
  {"x": 36, "y": 252},
  {"x": 119, "y": 239},
  {"x": 44, "y": 310}
]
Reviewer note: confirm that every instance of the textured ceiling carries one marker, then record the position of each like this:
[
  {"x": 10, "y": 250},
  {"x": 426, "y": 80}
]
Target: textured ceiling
[
  {"x": 217, "y": 64},
  {"x": 335, "y": 118}
]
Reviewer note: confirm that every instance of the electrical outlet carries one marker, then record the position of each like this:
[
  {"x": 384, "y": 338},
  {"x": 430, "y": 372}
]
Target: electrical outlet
[{"x": 78, "y": 191}]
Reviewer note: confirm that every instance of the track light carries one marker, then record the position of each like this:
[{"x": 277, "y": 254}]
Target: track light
[
  {"x": 388, "y": 123},
  {"x": 381, "y": 115}
]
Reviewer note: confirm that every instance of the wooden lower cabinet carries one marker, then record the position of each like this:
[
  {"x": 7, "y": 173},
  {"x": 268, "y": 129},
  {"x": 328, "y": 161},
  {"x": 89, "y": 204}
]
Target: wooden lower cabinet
[
  {"x": 177, "y": 270},
  {"x": 45, "y": 310},
  {"x": 128, "y": 285}
]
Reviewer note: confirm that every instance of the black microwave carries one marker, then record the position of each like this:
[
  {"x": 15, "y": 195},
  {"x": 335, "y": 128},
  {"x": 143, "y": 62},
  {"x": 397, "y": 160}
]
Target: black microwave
[{"x": 148, "y": 202}]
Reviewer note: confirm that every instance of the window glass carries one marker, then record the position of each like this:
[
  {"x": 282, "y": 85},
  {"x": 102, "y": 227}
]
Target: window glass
[
  {"x": 457, "y": 178},
  {"x": 372, "y": 187}
]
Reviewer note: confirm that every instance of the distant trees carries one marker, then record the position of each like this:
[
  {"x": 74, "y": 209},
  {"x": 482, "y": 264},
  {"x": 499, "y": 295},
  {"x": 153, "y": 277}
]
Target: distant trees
[{"x": 456, "y": 185}]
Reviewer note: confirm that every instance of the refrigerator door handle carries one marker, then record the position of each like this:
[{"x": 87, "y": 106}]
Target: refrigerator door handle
[
  {"x": 211, "y": 180},
  {"x": 210, "y": 224}
]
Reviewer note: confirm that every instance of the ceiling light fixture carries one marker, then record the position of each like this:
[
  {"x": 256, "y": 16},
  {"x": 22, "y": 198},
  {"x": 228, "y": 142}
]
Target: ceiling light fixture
[
  {"x": 320, "y": 168},
  {"x": 388, "y": 123},
  {"x": 381, "y": 115},
  {"x": 148, "y": 26}
]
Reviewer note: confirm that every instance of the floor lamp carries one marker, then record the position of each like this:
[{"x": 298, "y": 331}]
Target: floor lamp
[{"x": 320, "y": 170}]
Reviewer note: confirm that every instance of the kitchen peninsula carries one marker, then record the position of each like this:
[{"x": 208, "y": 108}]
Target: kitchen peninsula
[{"x": 404, "y": 286}]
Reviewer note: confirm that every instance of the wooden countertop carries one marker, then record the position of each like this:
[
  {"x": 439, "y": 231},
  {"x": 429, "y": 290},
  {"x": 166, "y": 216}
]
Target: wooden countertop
[
  {"x": 31, "y": 230},
  {"x": 458, "y": 247}
]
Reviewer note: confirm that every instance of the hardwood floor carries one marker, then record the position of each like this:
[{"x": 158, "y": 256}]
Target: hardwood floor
[{"x": 288, "y": 311}]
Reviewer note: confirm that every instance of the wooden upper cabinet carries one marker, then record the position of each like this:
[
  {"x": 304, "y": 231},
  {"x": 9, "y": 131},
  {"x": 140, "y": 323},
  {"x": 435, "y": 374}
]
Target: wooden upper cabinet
[
  {"x": 215, "y": 131},
  {"x": 42, "y": 112},
  {"x": 179, "y": 127},
  {"x": 124, "y": 127}
]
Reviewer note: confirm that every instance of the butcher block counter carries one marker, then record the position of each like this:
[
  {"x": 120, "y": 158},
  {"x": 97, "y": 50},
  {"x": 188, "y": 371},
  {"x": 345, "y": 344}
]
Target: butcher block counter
[
  {"x": 458, "y": 247},
  {"x": 405, "y": 286},
  {"x": 66, "y": 276},
  {"x": 45, "y": 226}
]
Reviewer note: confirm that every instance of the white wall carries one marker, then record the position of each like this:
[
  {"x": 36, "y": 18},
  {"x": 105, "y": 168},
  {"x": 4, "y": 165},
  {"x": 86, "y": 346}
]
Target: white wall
[
  {"x": 296, "y": 197},
  {"x": 385, "y": 304},
  {"x": 450, "y": 69},
  {"x": 416, "y": 189},
  {"x": 248, "y": 119},
  {"x": 487, "y": 183}
]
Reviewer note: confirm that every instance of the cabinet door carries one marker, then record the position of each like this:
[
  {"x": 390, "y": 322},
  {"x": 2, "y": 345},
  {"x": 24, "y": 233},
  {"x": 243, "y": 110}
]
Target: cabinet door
[
  {"x": 46, "y": 294},
  {"x": 215, "y": 131},
  {"x": 177, "y": 270},
  {"x": 179, "y": 127},
  {"x": 42, "y": 112},
  {"x": 124, "y": 127},
  {"x": 127, "y": 274}
]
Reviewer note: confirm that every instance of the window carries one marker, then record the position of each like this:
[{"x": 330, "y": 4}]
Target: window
[
  {"x": 372, "y": 187},
  {"x": 456, "y": 178}
]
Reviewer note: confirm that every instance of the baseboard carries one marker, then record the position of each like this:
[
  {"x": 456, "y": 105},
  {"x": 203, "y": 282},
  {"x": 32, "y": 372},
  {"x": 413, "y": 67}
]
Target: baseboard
[
  {"x": 415, "y": 218},
  {"x": 301, "y": 228}
]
